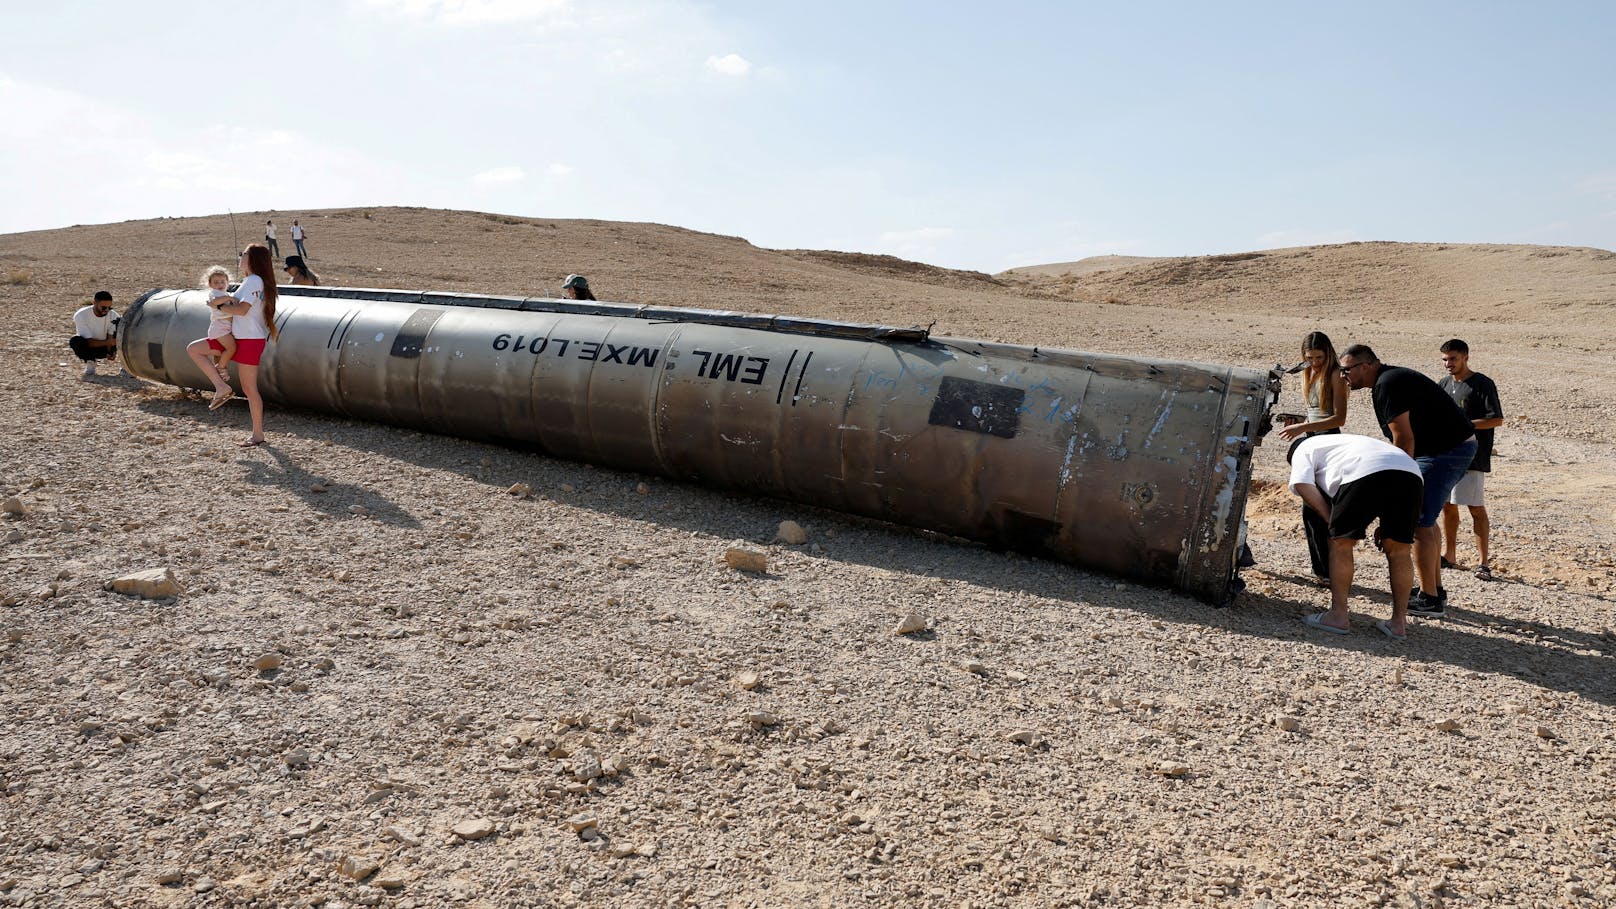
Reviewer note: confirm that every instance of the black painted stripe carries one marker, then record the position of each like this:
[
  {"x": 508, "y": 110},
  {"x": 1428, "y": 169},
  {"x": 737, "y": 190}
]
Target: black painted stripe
[
  {"x": 784, "y": 376},
  {"x": 797, "y": 392}
]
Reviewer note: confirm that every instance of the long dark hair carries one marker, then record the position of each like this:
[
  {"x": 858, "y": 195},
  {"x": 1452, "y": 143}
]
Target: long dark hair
[
  {"x": 260, "y": 264},
  {"x": 1318, "y": 340}
]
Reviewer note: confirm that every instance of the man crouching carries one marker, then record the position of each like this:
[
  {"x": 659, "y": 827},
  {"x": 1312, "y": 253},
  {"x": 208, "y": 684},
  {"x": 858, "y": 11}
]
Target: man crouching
[{"x": 1352, "y": 481}]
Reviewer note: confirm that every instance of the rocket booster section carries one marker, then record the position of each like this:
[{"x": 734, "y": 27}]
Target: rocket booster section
[{"x": 1135, "y": 467}]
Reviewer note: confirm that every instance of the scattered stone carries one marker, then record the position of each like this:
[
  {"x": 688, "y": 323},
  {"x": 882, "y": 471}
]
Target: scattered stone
[
  {"x": 581, "y": 822},
  {"x": 646, "y": 850},
  {"x": 585, "y": 766},
  {"x": 1544, "y": 732},
  {"x": 520, "y": 490},
  {"x": 910, "y": 624},
  {"x": 391, "y": 880},
  {"x": 151, "y": 584},
  {"x": 297, "y": 757},
  {"x": 169, "y": 875},
  {"x": 399, "y": 834},
  {"x": 475, "y": 829},
  {"x": 358, "y": 867},
  {"x": 643, "y": 489},
  {"x": 1449, "y": 725},
  {"x": 12, "y": 505},
  {"x": 746, "y": 560},
  {"x": 975, "y": 667},
  {"x": 760, "y": 719},
  {"x": 748, "y": 681},
  {"x": 1397, "y": 676},
  {"x": 1171, "y": 769},
  {"x": 204, "y": 885},
  {"x": 1028, "y": 737},
  {"x": 316, "y": 487},
  {"x": 268, "y": 662},
  {"x": 791, "y": 533},
  {"x": 1288, "y": 723},
  {"x": 358, "y": 509}
]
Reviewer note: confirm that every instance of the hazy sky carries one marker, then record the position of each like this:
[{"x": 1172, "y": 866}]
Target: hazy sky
[{"x": 974, "y": 135}]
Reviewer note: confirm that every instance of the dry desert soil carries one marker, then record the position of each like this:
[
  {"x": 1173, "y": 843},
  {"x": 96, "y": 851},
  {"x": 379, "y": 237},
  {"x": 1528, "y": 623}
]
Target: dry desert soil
[{"x": 389, "y": 682}]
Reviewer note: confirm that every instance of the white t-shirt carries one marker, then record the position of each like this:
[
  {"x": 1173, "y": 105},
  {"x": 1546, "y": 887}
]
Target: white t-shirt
[
  {"x": 1330, "y": 462},
  {"x": 250, "y": 325},
  {"x": 269, "y": 231},
  {"x": 297, "y": 232},
  {"x": 219, "y": 322},
  {"x": 92, "y": 326}
]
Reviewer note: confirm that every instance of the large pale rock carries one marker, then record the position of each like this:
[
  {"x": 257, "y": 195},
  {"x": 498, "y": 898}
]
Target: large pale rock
[
  {"x": 12, "y": 505},
  {"x": 474, "y": 829},
  {"x": 746, "y": 560},
  {"x": 151, "y": 584},
  {"x": 791, "y": 533},
  {"x": 357, "y": 867},
  {"x": 910, "y": 624}
]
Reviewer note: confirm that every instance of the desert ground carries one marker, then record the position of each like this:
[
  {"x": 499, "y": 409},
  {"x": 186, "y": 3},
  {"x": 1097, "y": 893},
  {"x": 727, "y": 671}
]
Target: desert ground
[{"x": 387, "y": 681}]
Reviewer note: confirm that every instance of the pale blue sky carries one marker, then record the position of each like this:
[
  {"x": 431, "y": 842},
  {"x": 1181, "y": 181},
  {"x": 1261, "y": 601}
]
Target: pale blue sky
[{"x": 973, "y": 135}]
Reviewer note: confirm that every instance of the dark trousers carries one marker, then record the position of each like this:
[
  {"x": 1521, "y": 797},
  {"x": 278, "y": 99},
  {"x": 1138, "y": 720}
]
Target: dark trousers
[
  {"x": 82, "y": 349},
  {"x": 1317, "y": 529},
  {"x": 274, "y": 248}
]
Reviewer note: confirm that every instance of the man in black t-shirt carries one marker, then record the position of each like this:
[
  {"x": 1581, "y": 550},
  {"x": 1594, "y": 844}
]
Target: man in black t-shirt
[
  {"x": 1418, "y": 417},
  {"x": 1477, "y": 398}
]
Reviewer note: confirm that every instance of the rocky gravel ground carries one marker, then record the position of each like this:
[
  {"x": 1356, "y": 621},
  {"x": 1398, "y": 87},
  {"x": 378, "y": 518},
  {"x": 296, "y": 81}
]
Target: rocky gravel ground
[{"x": 405, "y": 670}]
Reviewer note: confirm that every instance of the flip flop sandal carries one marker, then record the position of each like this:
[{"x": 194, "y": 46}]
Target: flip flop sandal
[
  {"x": 220, "y": 398},
  {"x": 1447, "y": 564},
  {"x": 1484, "y": 573},
  {"x": 250, "y": 443},
  {"x": 1316, "y": 620},
  {"x": 1386, "y": 629}
]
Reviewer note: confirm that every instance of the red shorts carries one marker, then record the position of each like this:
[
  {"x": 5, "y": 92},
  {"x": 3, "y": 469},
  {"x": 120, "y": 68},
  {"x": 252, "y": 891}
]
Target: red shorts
[
  {"x": 214, "y": 343},
  {"x": 249, "y": 350}
]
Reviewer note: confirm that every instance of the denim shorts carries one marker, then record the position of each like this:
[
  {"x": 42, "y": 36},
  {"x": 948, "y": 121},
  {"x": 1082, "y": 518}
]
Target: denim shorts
[{"x": 1443, "y": 472}]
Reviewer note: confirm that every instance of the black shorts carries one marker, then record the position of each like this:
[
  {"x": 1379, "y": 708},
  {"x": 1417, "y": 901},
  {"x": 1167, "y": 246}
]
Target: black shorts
[{"x": 1392, "y": 496}]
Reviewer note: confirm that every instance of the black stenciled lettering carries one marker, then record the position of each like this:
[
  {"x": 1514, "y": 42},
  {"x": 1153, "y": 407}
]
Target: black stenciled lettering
[
  {"x": 726, "y": 367},
  {"x": 517, "y": 344},
  {"x": 537, "y": 346},
  {"x": 502, "y": 341},
  {"x": 563, "y": 342},
  {"x": 705, "y": 356},
  {"x": 588, "y": 350},
  {"x": 642, "y": 356},
  {"x": 756, "y": 367},
  {"x": 614, "y": 353}
]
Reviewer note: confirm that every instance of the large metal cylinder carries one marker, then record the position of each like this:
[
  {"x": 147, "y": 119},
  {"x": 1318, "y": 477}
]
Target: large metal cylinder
[{"x": 1131, "y": 466}]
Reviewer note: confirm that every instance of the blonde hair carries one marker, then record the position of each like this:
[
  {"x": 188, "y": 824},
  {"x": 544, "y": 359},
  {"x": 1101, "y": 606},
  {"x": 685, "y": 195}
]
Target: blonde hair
[{"x": 207, "y": 276}]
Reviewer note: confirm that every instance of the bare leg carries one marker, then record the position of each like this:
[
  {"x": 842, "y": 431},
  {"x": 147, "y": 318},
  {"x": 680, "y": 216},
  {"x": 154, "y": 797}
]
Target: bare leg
[
  {"x": 228, "y": 342},
  {"x": 1450, "y": 533},
  {"x": 1484, "y": 529},
  {"x": 1340, "y": 582},
  {"x": 1427, "y": 557},
  {"x": 198, "y": 351},
  {"x": 1401, "y": 568},
  {"x": 255, "y": 401}
]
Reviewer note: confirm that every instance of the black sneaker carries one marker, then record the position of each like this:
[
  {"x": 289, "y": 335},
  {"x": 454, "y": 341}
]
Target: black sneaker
[{"x": 1428, "y": 607}]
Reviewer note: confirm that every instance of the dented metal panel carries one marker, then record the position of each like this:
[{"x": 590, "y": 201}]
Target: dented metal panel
[{"x": 1132, "y": 466}]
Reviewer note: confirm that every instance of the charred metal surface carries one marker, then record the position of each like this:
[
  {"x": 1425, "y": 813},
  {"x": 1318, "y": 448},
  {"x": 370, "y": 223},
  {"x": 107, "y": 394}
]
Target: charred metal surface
[{"x": 1131, "y": 466}]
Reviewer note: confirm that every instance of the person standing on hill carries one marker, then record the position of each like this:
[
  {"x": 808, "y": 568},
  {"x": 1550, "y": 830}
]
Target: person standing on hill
[
  {"x": 1421, "y": 419},
  {"x": 298, "y": 236},
  {"x": 95, "y": 334},
  {"x": 576, "y": 287},
  {"x": 269, "y": 239},
  {"x": 1477, "y": 397}
]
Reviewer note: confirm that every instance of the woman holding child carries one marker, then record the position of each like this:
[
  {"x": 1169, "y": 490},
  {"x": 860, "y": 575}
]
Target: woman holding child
[{"x": 252, "y": 312}]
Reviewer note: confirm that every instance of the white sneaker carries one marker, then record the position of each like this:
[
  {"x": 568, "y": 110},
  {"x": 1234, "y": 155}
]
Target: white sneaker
[{"x": 89, "y": 370}]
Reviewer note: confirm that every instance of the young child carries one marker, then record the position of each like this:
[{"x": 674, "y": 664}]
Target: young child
[{"x": 221, "y": 343}]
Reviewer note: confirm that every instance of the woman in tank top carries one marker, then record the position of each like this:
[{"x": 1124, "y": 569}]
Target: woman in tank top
[{"x": 1325, "y": 391}]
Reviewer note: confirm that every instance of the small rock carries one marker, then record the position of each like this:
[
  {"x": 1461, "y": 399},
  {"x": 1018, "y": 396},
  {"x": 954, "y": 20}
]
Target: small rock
[
  {"x": 1543, "y": 732},
  {"x": 760, "y": 719},
  {"x": 390, "y": 880},
  {"x": 581, "y": 822},
  {"x": 585, "y": 766},
  {"x": 1288, "y": 723},
  {"x": 975, "y": 667},
  {"x": 358, "y": 867},
  {"x": 520, "y": 490},
  {"x": 297, "y": 757},
  {"x": 401, "y": 835},
  {"x": 748, "y": 681},
  {"x": 1449, "y": 725},
  {"x": 1397, "y": 676},
  {"x": 358, "y": 509},
  {"x": 474, "y": 829},
  {"x": 646, "y": 850},
  {"x": 169, "y": 875},
  {"x": 568, "y": 487},
  {"x": 1172, "y": 769},
  {"x": 643, "y": 489},
  {"x": 151, "y": 584},
  {"x": 268, "y": 662},
  {"x": 1027, "y": 737},
  {"x": 791, "y": 533},
  {"x": 12, "y": 505},
  {"x": 746, "y": 560},
  {"x": 204, "y": 885},
  {"x": 316, "y": 487},
  {"x": 910, "y": 624}
]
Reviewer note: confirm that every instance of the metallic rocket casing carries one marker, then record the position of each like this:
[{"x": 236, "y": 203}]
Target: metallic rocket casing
[{"x": 1135, "y": 467}]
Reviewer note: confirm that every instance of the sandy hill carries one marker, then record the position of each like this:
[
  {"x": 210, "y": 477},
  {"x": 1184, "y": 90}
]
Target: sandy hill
[{"x": 388, "y": 681}]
